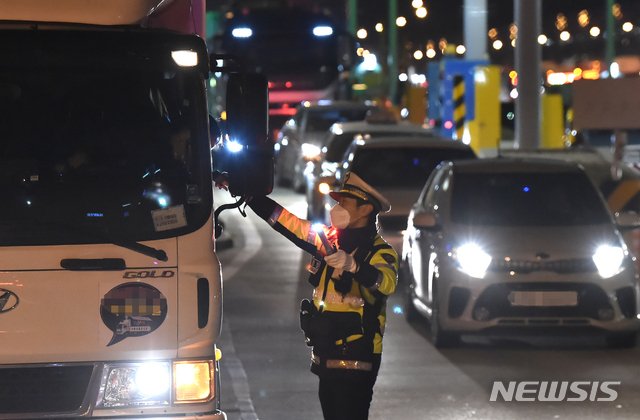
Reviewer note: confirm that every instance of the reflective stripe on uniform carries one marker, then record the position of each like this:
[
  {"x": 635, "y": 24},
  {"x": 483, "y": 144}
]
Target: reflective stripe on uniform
[
  {"x": 337, "y": 298},
  {"x": 273, "y": 219},
  {"x": 311, "y": 238},
  {"x": 343, "y": 364}
]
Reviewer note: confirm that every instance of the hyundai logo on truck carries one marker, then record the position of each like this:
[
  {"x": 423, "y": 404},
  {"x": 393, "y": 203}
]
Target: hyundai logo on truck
[{"x": 8, "y": 300}]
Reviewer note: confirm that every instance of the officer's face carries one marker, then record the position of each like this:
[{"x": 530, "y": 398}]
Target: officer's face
[{"x": 357, "y": 214}]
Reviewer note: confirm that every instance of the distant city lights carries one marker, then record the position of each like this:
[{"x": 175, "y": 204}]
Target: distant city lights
[
  {"x": 401, "y": 21},
  {"x": 421, "y": 12},
  {"x": 379, "y": 27},
  {"x": 497, "y": 44},
  {"x": 565, "y": 35},
  {"x": 362, "y": 33},
  {"x": 594, "y": 31},
  {"x": 542, "y": 39},
  {"x": 461, "y": 49},
  {"x": 627, "y": 26}
]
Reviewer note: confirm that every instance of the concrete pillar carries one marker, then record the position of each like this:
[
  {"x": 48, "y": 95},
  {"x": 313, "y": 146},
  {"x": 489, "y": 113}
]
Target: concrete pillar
[
  {"x": 528, "y": 15},
  {"x": 475, "y": 29}
]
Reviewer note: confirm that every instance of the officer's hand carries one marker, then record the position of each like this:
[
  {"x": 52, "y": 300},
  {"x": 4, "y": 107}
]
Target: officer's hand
[
  {"x": 341, "y": 259},
  {"x": 221, "y": 180}
]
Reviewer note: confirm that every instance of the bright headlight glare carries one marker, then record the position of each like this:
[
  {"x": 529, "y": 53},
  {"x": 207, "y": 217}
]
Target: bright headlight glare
[
  {"x": 310, "y": 150},
  {"x": 234, "y": 146},
  {"x": 185, "y": 58},
  {"x": 473, "y": 260},
  {"x": 242, "y": 32},
  {"x": 608, "y": 260},
  {"x": 193, "y": 381},
  {"x": 135, "y": 384},
  {"x": 322, "y": 30}
]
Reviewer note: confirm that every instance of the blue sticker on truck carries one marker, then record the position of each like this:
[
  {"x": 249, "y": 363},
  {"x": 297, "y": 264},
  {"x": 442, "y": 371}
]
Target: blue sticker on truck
[{"x": 132, "y": 310}]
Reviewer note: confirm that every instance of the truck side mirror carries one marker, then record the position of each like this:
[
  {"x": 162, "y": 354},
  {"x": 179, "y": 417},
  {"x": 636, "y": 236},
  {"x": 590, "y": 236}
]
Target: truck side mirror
[
  {"x": 247, "y": 157},
  {"x": 250, "y": 158}
]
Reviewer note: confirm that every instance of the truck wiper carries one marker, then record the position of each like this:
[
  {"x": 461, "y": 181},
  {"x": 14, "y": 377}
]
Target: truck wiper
[{"x": 158, "y": 254}]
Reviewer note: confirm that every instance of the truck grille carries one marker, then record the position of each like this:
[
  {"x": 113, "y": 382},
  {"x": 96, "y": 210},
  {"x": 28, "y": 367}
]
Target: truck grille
[{"x": 47, "y": 389}]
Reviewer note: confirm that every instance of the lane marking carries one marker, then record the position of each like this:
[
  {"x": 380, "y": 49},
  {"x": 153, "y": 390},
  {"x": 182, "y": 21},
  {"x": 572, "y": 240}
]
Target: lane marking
[
  {"x": 239, "y": 380},
  {"x": 252, "y": 244},
  {"x": 230, "y": 361}
]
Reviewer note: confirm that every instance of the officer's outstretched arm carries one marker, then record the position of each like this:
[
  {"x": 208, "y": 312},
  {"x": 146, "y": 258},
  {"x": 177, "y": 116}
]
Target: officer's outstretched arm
[{"x": 292, "y": 227}]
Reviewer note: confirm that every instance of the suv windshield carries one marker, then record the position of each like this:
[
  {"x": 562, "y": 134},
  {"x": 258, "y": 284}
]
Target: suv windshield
[
  {"x": 88, "y": 153},
  {"x": 526, "y": 199}
]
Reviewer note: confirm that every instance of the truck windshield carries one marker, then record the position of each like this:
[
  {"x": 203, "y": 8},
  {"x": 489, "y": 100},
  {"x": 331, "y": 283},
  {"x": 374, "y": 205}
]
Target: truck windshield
[{"x": 120, "y": 151}]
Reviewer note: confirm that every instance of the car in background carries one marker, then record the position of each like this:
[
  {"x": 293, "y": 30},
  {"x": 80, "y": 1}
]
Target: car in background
[
  {"x": 323, "y": 166},
  {"x": 302, "y": 134},
  {"x": 509, "y": 243},
  {"x": 620, "y": 185},
  {"x": 397, "y": 167}
]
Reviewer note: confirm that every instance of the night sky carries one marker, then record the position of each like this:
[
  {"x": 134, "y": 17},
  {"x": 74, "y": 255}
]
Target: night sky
[{"x": 445, "y": 17}]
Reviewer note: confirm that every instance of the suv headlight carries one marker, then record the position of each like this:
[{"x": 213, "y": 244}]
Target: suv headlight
[
  {"x": 608, "y": 260},
  {"x": 472, "y": 260},
  {"x": 156, "y": 383}
]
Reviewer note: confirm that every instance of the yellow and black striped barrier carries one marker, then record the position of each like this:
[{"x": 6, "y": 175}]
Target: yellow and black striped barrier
[{"x": 459, "y": 108}]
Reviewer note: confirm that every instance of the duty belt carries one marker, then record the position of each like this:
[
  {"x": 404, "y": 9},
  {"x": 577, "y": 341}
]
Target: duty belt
[
  {"x": 338, "y": 298},
  {"x": 343, "y": 364}
]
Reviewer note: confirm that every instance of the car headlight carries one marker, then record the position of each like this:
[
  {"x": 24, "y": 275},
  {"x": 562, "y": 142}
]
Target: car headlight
[
  {"x": 310, "y": 151},
  {"x": 158, "y": 383},
  {"x": 608, "y": 260},
  {"x": 472, "y": 260}
]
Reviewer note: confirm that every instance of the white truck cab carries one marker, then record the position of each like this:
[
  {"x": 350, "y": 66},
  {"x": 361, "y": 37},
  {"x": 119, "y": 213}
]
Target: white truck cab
[{"x": 110, "y": 287}]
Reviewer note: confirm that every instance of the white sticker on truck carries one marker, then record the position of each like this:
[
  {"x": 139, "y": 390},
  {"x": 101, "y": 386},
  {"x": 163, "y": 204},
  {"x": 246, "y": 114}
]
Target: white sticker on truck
[{"x": 169, "y": 218}]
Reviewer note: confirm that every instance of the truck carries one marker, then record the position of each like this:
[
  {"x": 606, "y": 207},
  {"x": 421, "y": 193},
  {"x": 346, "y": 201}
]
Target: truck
[
  {"x": 306, "y": 56},
  {"x": 110, "y": 286}
]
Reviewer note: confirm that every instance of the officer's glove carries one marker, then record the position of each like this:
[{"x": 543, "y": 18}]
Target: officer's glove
[{"x": 341, "y": 259}]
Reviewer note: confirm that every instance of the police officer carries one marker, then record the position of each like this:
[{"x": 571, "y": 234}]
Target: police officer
[{"x": 353, "y": 272}]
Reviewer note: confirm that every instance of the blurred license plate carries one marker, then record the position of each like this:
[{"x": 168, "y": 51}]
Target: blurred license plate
[{"x": 543, "y": 298}]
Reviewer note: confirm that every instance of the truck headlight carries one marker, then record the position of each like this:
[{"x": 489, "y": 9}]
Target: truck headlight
[
  {"x": 473, "y": 260},
  {"x": 608, "y": 260},
  {"x": 192, "y": 381},
  {"x": 135, "y": 384},
  {"x": 158, "y": 383}
]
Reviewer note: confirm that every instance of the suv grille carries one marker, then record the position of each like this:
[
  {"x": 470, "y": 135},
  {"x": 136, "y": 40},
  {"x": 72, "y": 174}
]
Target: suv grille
[{"x": 575, "y": 265}]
